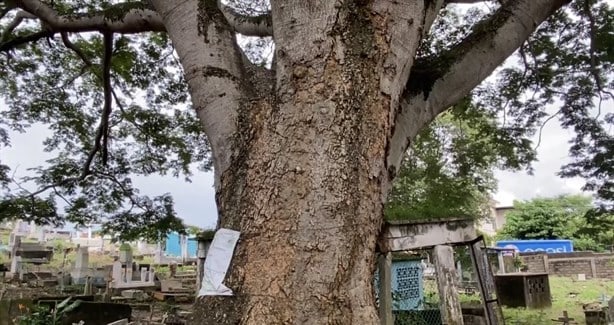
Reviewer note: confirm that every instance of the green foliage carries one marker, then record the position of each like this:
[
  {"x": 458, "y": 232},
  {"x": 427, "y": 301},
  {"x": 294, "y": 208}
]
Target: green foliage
[
  {"x": 46, "y": 83},
  {"x": 563, "y": 217},
  {"x": 193, "y": 230},
  {"x": 40, "y": 315},
  {"x": 560, "y": 289},
  {"x": 448, "y": 171},
  {"x": 567, "y": 63}
]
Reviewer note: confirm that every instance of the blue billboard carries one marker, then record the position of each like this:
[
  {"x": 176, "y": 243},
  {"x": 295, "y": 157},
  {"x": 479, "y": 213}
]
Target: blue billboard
[{"x": 545, "y": 245}]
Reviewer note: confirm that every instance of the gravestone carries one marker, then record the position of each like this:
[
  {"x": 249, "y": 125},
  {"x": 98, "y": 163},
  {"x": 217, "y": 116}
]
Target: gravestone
[
  {"x": 611, "y": 309},
  {"x": 81, "y": 269},
  {"x": 530, "y": 290},
  {"x": 125, "y": 254}
]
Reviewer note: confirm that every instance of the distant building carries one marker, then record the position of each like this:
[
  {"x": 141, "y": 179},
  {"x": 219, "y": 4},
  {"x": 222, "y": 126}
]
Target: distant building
[{"x": 495, "y": 220}]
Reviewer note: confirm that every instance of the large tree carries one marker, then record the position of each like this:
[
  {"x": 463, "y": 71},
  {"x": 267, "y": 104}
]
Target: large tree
[
  {"x": 303, "y": 152},
  {"x": 563, "y": 217}
]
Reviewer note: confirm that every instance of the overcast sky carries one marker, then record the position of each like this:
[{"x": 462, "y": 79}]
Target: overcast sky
[{"x": 195, "y": 201}]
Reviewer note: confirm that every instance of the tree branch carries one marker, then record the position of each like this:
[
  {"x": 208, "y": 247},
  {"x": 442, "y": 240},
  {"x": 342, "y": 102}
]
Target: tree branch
[
  {"x": 122, "y": 18},
  {"x": 261, "y": 25},
  {"x": 15, "y": 42},
  {"x": 16, "y": 22},
  {"x": 102, "y": 135},
  {"x": 437, "y": 83},
  {"x": 212, "y": 63}
]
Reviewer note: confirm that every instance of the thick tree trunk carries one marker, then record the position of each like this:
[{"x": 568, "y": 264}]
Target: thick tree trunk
[
  {"x": 308, "y": 182},
  {"x": 304, "y": 154},
  {"x": 308, "y": 175}
]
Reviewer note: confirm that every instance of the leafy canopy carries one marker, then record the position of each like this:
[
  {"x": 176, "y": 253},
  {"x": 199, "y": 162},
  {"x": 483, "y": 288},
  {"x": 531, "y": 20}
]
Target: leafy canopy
[
  {"x": 563, "y": 217},
  {"x": 117, "y": 106}
]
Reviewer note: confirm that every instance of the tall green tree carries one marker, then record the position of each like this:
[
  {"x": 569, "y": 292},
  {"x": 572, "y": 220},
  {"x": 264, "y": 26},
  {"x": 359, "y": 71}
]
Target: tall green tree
[
  {"x": 562, "y": 217},
  {"x": 304, "y": 152},
  {"x": 448, "y": 170}
]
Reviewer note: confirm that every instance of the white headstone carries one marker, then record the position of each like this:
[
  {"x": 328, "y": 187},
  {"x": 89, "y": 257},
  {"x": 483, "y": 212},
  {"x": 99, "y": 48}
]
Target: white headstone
[
  {"x": 116, "y": 273},
  {"x": 183, "y": 240},
  {"x": 33, "y": 232},
  {"x": 41, "y": 234},
  {"x": 158, "y": 254},
  {"x": 83, "y": 257},
  {"x": 581, "y": 277},
  {"x": 15, "y": 265}
]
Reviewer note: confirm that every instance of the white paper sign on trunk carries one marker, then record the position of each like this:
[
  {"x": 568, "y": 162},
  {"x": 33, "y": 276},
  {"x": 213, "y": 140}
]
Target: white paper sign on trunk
[{"x": 217, "y": 263}]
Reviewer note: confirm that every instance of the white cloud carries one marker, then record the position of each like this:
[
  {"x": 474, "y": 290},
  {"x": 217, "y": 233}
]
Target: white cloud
[{"x": 552, "y": 154}]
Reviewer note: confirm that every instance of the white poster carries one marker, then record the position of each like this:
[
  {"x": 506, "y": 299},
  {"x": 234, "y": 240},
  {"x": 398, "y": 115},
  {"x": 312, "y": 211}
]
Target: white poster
[{"x": 217, "y": 263}]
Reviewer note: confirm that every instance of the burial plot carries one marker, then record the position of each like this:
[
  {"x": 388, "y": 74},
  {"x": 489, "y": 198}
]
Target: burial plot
[{"x": 530, "y": 290}]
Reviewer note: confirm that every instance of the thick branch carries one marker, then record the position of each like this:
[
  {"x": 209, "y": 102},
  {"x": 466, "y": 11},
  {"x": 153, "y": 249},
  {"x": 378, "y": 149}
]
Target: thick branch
[
  {"x": 15, "y": 42},
  {"x": 16, "y": 22},
  {"x": 438, "y": 83},
  {"x": 212, "y": 66},
  {"x": 134, "y": 19},
  {"x": 261, "y": 25}
]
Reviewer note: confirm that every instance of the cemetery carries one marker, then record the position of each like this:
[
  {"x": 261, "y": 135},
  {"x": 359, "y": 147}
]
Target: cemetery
[
  {"x": 128, "y": 288},
  {"x": 428, "y": 272}
]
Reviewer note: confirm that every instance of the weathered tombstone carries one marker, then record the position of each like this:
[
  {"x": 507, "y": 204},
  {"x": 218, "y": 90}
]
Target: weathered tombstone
[
  {"x": 81, "y": 269},
  {"x": 41, "y": 235},
  {"x": 529, "y": 290},
  {"x": 87, "y": 290},
  {"x": 15, "y": 265},
  {"x": 595, "y": 314},
  {"x": 158, "y": 254},
  {"x": 133, "y": 294},
  {"x": 125, "y": 254},
  {"x": 611, "y": 309},
  {"x": 33, "y": 230},
  {"x": 121, "y": 276},
  {"x": 183, "y": 240},
  {"x": 172, "y": 269},
  {"x": 116, "y": 273}
]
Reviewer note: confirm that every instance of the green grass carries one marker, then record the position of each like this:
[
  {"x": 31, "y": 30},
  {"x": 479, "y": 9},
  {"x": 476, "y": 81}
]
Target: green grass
[{"x": 567, "y": 295}]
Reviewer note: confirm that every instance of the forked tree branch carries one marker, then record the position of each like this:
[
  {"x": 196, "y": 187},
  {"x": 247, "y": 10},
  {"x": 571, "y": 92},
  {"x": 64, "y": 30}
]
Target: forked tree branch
[
  {"x": 437, "y": 83},
  {"x": 132, "y": 20}
]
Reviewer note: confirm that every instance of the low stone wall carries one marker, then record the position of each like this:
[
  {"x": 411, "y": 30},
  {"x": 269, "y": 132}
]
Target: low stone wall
[{"x": 593, "y": 265}]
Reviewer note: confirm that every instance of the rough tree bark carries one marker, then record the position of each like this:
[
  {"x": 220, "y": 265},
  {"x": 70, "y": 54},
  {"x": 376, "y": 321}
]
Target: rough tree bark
[{"x": 304, "y": 154}]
